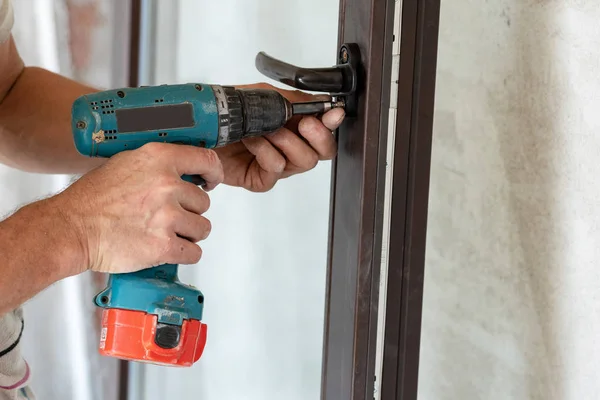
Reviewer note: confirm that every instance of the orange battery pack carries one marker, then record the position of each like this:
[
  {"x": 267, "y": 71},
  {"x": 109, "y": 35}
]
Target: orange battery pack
[{"x": 137, "y": 336}]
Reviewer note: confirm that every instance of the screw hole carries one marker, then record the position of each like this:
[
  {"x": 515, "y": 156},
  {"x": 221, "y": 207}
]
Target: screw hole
[
  {"x": 121, "y": 94},
  {"x": 198, "y": 87},
  {"x": 104, "y": 299},
  {"x": 200, "y": 299},
  {"x": 80, "y": 124}
]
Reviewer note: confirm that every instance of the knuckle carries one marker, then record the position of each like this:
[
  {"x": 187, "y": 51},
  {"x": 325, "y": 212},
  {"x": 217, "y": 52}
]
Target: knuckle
[
  {"x": 201, "y": 229},
  {"x": 330, "y": 152},
  {"x": 153, "y": 148},
  {"x": 310, "y": 123},
  {"x": 211, "y": 157},
  {"x": 204, "y": 202},
  {"x": 204, "y": 229},
  {"x": 312, "y": 160},
  {"x": 199, "y": 198},
  {"x": 195, "y": 255},
  {"x": 167, "y": 182},
  {"x": 305, "y": 125},
  {"x": 214, "y": 162},
  {"x": 167, "y": 217}
]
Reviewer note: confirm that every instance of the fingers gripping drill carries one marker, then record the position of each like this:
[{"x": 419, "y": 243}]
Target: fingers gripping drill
[{"x": 149, "y": 315}]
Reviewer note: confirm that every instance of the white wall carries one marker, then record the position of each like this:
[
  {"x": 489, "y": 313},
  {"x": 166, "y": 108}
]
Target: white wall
[
  {"x": 512, "y": 278},
  {"x": 263, "y": 270}
]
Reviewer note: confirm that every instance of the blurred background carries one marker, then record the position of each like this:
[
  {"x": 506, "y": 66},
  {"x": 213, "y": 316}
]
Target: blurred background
[
  {"x": 511, "y": 299},
  {"x": 263, "y": 269}
]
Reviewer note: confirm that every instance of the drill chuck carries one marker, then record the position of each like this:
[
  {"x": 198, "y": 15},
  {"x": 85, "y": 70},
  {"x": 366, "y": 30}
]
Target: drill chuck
[
  {"x": 249, "y": 112},
  {"x": 253, "y": 112}
]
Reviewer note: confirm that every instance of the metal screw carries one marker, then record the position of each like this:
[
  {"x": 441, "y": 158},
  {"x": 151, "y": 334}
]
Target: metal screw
[
  {"x": 80, "y": 124},
  {"x": 198, "y": 87},
  {"x": 121, "y": 94},
  {"x": 344, "y": 55}
]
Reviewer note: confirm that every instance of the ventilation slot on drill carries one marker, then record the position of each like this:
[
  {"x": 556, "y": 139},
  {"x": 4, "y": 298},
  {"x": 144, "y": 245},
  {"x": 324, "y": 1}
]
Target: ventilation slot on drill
[
  {"x": 159, "y": 100},
  {"x": 162, "y": 134},
  {"x": 103, "y": 104}
]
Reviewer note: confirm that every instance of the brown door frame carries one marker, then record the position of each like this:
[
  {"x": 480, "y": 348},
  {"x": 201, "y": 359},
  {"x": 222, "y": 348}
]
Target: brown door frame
[
  {"x": 358, "y": 189},
  {"x": 356, "y": 224},
  {"x": 410, "y": 195}
]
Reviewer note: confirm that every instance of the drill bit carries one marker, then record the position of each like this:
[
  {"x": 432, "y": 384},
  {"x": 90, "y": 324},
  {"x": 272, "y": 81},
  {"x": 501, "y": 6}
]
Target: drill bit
[{"x": 316, "y": 107}]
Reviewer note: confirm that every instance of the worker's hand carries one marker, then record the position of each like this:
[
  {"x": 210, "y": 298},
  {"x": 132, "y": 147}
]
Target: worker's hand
[
  {"x": 135, "y": 211},
  {"x": 258, "y": 163}
]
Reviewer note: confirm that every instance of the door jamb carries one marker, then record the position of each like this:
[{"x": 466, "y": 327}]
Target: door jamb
[
  {"x": 356, "y": 216},
  {"x": 410, "y": 195},
  {"x": 358, "y": 190}
]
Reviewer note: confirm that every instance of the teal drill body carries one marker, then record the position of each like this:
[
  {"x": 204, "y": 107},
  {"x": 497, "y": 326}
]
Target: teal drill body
[
  {"x": 109, "y": 122},
  {"x": 126, "y": 119}
]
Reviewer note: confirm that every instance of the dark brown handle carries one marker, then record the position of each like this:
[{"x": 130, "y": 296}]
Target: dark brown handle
[{"x": 339, "y": 80}]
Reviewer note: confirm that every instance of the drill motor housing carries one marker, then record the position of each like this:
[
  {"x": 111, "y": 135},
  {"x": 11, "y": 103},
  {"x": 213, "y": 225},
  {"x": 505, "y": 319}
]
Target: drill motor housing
[{"x": 106, "y": 123}]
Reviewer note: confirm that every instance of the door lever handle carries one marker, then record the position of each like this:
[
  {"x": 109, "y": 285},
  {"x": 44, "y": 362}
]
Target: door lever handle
[{"x": 340, "y": 80}]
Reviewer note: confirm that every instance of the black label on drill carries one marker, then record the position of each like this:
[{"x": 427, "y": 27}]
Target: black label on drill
[{"x": 155, "y": 118}]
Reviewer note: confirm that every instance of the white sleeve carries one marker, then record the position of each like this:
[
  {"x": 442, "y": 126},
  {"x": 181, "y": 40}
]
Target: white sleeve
[{"x": 6, "y": 19}]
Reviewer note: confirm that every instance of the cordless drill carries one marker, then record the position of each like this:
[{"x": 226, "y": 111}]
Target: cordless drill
[{"x": 150, "y": 316}]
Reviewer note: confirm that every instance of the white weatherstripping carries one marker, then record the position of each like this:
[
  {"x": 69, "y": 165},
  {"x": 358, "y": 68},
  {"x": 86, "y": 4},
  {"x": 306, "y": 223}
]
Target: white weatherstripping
[{"x": 387, "y": 201}]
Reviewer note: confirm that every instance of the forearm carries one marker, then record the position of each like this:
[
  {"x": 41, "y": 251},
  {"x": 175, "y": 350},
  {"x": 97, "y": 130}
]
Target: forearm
[
  {"x": 38, "y": 248},
  {"x": 35, "y": 126}
]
